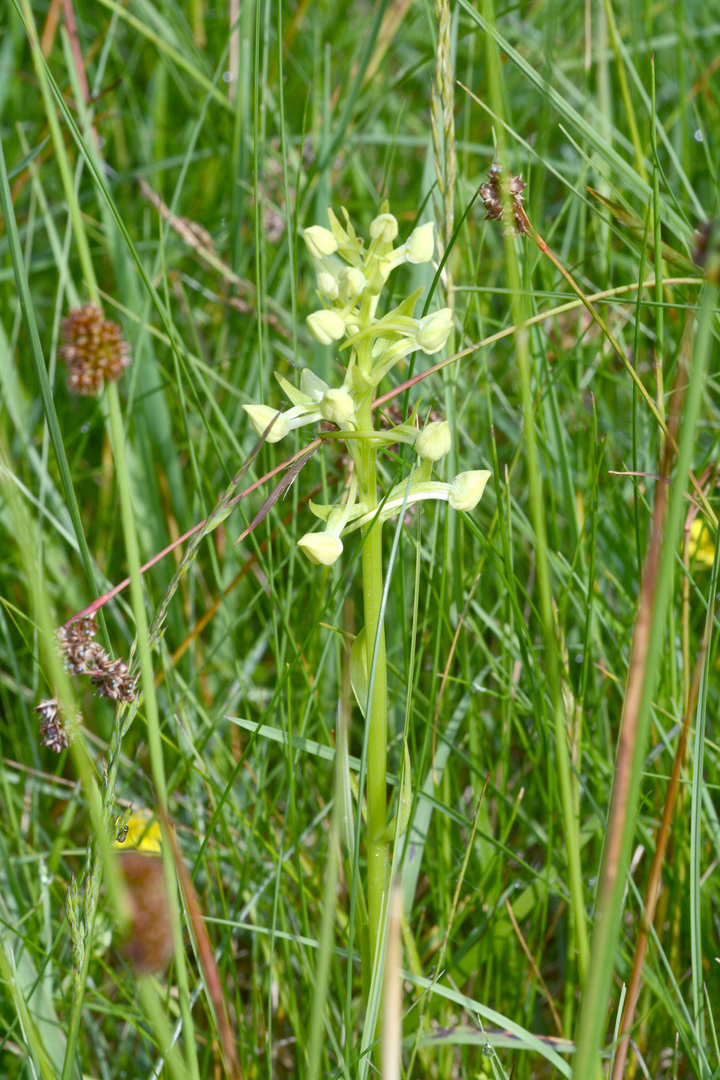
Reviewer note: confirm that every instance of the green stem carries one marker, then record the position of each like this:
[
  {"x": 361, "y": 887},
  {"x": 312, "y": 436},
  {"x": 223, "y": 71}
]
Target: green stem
[{"x": 372, "y": 584}]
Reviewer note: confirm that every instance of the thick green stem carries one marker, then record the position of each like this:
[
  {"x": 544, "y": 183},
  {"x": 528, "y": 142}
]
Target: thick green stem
[{"x": 372, "y": 582}]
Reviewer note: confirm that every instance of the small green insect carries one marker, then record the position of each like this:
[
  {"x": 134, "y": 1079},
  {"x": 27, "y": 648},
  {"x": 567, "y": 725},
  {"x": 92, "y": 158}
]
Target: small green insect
[{"x": 123, "y": 834}]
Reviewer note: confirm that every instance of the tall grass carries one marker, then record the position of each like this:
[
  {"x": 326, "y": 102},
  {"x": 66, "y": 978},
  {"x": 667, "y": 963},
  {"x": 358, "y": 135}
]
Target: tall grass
[{"x": 552, "y": 656}]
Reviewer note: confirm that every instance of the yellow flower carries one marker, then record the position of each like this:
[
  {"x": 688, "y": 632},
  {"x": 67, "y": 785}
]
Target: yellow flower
[
  {"x": 143, "y": 834},
  {"x": 701, "y": 547}
]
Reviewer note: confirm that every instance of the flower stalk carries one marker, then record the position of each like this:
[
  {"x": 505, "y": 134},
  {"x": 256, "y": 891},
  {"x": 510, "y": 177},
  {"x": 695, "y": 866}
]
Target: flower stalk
[{"x": 350, "y": 279}]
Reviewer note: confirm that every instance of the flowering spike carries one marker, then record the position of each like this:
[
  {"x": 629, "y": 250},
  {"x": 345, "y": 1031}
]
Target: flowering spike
[{"x": 350, "y": 280}]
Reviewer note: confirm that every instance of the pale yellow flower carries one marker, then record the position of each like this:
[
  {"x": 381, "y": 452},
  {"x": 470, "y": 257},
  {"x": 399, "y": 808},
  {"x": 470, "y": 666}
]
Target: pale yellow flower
[
  {"x": 143, "y": 834},
  {"x": 701, "y": 548}
]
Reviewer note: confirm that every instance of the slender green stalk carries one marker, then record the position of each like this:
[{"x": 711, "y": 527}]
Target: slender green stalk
[{"x": 372, "y": 586}]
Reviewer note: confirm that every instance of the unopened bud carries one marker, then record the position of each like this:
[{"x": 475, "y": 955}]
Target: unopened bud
[
  {"x": 327, "y": 283},
  {"x": 420, "y": 245},
  {"x": 467, "y": 488},
  {"x": 323, "y": 549},
  {"x": 261, "y": 416},
  {"x": 433, "y": 442},
  {"x": 351, "y": 282},
  {"x": 384, "y": 227},
  {"x": 337, "y": 407},
  {"x": 434, "y": 330},
  {"x": 326, "y": 326},
  {"x": 320, "y": 242}
]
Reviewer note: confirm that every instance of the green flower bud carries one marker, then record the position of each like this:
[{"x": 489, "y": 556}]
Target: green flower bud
[
  {"x": 260, "y": 417},
  {"x": 433, "y": 442},
  {"x": 327, "y": 283},
  {"x": 420, "y": 245},
  {"x": 467, "y": 488},
  {"x": 320, "y": 242},
  {"x": 384, "y": 227},
  {"x": 337, "y": 407},
  {"x": 434, "y": 330},
  {"x": 323, "y": 549},
  {"x": 326, "y": 326},
  {"x": 351, "y": 282}
]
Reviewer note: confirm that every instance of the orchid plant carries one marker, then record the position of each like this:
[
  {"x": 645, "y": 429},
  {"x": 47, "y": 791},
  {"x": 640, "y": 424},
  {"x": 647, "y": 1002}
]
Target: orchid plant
[{"x": 350, "y": 280}]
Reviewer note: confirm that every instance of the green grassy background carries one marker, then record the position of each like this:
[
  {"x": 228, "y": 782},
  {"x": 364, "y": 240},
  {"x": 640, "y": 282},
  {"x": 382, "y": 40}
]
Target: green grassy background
[{"x": 249, "y": 139}]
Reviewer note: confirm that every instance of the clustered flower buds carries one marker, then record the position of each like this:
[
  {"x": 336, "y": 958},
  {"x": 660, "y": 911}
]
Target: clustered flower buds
[
  {"x": 83, "y": 656},
  {"x": 93, "y": 349},
  {"x": 350, "y": 278},
  {"x": 504, "y": 200}
]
